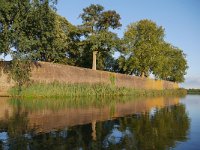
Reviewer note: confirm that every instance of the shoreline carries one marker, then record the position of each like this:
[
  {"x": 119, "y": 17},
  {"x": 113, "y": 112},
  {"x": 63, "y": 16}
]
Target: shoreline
[{"x": 62, "y": 90}]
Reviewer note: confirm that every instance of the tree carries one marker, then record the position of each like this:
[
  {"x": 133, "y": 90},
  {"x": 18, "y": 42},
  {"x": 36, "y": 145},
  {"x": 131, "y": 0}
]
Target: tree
[
  {"x": 142, "y": 39},
  {"x": 96, "y": 34},
  {"x": 178, "y": 67},
  {"x": 20, "y": 71},
  {"x": 34, "y": 28},
  {"x": 11, "y": 15},
  {"x": 16, "y": 21},
  {"x": 26, "y": 31},
  {"x": 46, "y": 33},
  {"x": 55, "y": 39},
  {"x": 146, "y": 53},
  {"x": 170, "y": 64}
]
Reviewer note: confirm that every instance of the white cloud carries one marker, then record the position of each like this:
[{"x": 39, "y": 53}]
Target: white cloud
[{"x": 191, "y": 82}]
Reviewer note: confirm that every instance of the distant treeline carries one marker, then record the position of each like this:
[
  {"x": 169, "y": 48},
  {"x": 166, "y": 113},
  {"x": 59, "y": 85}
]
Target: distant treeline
[{"x": 193, "y": 91}]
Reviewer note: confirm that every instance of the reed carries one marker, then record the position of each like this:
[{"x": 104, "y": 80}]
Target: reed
[{"x": 61, "y": 90}]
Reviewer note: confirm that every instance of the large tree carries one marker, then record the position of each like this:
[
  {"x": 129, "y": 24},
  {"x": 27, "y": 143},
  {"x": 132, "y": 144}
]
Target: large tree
[
  {"x": 147, "y": 53},
  {"x": 16, "y": 21},
  {"x": 141, "y": 42},
  {"x": 97, "y": 35},
  {"x": 34, "y": 29},
  {"x": 12, "y": 15},
  {"x": 54, "y": 37},
  {"x": 170, "y": 64}
]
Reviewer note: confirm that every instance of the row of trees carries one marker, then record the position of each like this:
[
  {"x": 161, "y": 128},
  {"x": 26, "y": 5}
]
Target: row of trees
[
  {"x": 147, "y": 53},
  {"x": 31, "y": 30}
]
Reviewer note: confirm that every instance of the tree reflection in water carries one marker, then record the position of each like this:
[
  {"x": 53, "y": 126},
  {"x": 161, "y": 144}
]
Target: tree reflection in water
[
  {"x": 146, "y": 131},
  {"x": 158, "y": 130}
]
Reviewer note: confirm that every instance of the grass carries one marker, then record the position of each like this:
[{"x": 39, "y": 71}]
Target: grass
[
  {"x": 61, "y": 90},
  {"x": 56, "y": 96}
]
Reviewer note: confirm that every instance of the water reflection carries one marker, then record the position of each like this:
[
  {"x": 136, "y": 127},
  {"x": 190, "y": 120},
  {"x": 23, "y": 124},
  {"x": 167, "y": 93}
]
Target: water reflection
[{"x": 154, "y": 123}]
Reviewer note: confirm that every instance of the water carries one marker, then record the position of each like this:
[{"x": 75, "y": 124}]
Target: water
[{"x": 145, "y": 123}]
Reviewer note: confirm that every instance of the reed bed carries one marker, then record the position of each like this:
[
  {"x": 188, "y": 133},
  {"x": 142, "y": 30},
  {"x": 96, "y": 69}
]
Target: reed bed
[{"x": 62, "y": 90}]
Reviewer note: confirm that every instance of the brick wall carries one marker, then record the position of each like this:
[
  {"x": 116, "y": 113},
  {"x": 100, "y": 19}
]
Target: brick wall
[
  {"x": 5, "y": 81},
  {"x": 49, "y": 72}
]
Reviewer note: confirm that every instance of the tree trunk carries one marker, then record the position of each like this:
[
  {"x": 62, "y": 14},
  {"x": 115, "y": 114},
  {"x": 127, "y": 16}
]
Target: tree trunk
[
  {"x": 142, "y": 75},
  {"x": 94, "y": 136},
  {"x": 94, "y": 60}
]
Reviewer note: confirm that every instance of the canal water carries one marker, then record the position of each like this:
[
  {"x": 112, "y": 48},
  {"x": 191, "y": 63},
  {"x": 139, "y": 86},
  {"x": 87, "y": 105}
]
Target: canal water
[{"x": 101, "y": 123}]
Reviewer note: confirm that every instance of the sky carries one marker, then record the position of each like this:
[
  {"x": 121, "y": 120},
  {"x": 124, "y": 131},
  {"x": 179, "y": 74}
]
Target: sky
[{"x": 179, "y": 18}]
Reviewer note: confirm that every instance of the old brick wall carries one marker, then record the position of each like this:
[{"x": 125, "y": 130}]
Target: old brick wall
[
  {"x": 48, "y": 72},
  {"x": 5, "y": 81}
]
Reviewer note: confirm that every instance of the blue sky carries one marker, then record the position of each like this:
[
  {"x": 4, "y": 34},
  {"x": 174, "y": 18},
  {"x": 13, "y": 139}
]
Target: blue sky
[{"x": 180, "y": 18}]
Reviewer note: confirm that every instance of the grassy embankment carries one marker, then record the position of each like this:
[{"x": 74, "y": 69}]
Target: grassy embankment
[
  {"x": 58, "y": 90},
  {"x": 193, "y": 91}
]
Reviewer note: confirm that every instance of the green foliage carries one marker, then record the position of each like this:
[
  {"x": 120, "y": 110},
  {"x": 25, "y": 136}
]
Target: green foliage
[
  {"x": 50, "y": 35},
  {"x": 26, "y": 33},
  {"x": 33, "y": 30},
  {"x": 193, "y": 91},
  {"x": 170, "y": 64},
  {"x": 96, "y": 19},
  {"x": 113, "y": 79},
  {"x": 61, "y": 90},
  {"x": 147, "y": 53},
  {"x": 20, "y": 71},
  {"x": 16, "y": 18},
  {"x": 141, "y": 41},
  {"x": 96, "y": 35}
]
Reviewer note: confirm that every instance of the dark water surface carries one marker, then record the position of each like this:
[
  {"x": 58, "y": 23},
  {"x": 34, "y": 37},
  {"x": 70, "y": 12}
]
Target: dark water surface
[{"x": 126, "y": 123}]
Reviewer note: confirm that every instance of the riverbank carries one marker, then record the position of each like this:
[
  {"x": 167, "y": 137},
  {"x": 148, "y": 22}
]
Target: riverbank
[
  {"x": 62, "y": 90},
  {"x": 44, "y": 72}
]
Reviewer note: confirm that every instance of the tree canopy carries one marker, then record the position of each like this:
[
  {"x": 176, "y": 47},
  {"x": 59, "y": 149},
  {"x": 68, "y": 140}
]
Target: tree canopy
[
  {"x": 97, "y": 36},
  {"x": 142, "y": 41},
  {"x": 35, "y": 29},
  {"x": 170, "y": 64},
  {"x": 31, "y": 30},
  {"x": 147, "y": 53}
]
